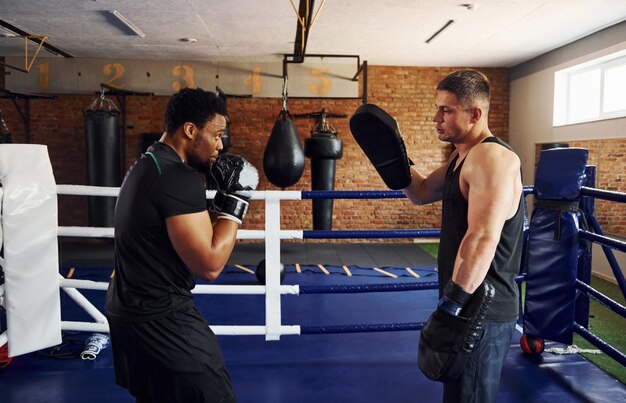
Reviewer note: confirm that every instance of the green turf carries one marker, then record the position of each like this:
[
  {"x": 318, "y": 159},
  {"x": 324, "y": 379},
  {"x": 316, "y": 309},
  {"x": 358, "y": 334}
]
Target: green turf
[
  {"x": 603, "y": 322},
  {"x": 431, "y": 248},
  {"x": 607, "y": 325}
]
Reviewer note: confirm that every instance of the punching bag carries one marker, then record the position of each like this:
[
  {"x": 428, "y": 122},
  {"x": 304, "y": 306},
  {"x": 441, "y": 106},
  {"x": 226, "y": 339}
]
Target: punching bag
[
  {"x": 102, "y": 137},
  {"x": 283, "y": 160},
  {"x": 324, "y": 148}
]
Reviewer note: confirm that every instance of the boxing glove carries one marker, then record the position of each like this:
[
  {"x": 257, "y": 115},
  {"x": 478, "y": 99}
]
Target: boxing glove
[
  {"x": 235, "y": 179},
  {"x": 451, "y": 332}
]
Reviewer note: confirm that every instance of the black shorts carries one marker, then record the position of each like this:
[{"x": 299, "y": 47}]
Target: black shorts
[{"x": 176, "y": 358}]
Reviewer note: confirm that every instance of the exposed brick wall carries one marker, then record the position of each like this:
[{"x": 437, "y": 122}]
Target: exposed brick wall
[{"x": 405, "y": 92}]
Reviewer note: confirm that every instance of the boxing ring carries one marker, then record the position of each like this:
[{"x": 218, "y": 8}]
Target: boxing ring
[{"x": 38, "y": 313}]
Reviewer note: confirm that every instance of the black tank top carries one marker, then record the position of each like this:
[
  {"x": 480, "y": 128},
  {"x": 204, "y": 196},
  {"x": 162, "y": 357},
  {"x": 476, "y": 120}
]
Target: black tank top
[{"x": 506, "y": 262}]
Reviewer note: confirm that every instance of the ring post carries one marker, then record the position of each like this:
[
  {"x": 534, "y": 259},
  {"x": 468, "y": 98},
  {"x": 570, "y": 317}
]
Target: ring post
[
  {"x": 272, "y": 266},
  {"x": 31, "y": 257}
]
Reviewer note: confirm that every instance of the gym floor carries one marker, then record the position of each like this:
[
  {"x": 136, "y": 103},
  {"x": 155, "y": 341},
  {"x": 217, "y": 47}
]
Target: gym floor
[{"x": 349, "y": 367}]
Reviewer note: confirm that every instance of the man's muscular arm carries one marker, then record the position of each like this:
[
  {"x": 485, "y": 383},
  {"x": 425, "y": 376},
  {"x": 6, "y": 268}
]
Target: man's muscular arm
[
  {"x": 490, "y": 180},
  {"x": 204, "y": 248},
  {"x": 427, "y": 188}
]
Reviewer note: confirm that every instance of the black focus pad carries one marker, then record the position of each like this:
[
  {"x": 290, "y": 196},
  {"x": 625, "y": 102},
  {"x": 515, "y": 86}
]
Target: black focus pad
[
  {"x": 446, "y": 341},
  {"x": 377, "y": 133}
]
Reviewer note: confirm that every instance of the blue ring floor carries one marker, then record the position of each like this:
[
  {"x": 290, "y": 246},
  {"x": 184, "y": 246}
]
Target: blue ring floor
[{"x": 354, "y": 367}]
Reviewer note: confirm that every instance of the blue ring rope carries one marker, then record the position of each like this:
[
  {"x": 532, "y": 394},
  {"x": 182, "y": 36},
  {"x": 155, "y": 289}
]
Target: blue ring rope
[
  {"x": 388, "y": 327},
  {"x": 352, "y": 194},
  {"x": 359, "y": 288},
  {"x": 396, "y": 233},
  {"x": 602, "y": 240},
  {"x": 603, "y": 194},
  {"x": 601, "y": 298},
  {"x": 601, "y": 344}
]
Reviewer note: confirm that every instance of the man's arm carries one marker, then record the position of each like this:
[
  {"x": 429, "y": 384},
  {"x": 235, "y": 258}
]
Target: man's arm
[
  {"x": 490, "y": 180},
  {"x": 204, "y": 248},
  {"x": 427, "y": 189}
]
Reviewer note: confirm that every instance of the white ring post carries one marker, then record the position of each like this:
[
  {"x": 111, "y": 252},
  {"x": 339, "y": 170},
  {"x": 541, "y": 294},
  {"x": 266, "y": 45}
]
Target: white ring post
[
  {"x": 31, "y": 259},
  {"x": 272, "y": 266}
]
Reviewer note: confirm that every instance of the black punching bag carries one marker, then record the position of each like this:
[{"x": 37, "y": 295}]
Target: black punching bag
[
  {"x": 283, "y": 160},
  {"x": 324, "y": 148},
  {"x": 102, "y": 136}
]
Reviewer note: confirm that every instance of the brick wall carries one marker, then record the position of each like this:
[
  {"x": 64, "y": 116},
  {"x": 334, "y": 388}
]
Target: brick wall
[{"x": 405, "y": 92}]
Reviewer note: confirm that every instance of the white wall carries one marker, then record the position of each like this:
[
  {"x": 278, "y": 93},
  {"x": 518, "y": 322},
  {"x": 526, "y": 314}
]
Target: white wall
[
  {"x": 532, "y": 92},
  {"x": 531, "y": 105}
]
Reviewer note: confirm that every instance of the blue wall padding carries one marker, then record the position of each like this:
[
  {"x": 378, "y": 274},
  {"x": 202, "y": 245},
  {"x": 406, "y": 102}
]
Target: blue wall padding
[
  {"x": 560, "y": 173},
  {"x": 552, "y": 258}
]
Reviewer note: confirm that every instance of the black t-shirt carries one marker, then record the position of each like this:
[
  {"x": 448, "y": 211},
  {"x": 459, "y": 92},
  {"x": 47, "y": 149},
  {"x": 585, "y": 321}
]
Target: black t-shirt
[
  {"x": 150, "y": 279},
  {"x": 506, "y": 262}
]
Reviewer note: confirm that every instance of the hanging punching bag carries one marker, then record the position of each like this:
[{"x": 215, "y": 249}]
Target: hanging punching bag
[
  {"x": 283, "y": 160},
  {"x": 324, "y": 148},
  {"x": 102, "y": 137}
]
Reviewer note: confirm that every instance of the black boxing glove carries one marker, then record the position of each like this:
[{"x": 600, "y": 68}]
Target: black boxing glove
[
  {"x": 235, "y": 179},
  {"x": 451, "y": 332}
]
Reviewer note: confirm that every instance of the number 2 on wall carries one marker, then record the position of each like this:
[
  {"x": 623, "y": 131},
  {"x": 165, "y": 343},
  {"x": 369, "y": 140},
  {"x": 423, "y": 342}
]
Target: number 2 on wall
[{"x": 115, "y": 71}]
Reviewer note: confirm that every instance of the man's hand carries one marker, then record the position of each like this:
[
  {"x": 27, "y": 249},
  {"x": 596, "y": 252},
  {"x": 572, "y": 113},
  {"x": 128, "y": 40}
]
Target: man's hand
[{"x": 235, "y": 179}]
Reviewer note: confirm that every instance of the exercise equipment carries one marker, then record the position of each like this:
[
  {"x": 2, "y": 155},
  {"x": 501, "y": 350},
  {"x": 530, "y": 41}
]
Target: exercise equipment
[
  {"x": 283, "y": 159},
  {"x": 260, "y": 272},
  {"x": 324, "y": 149},
  {"x": 104, "y": 168},
  {"x": 532, "y": 345}
]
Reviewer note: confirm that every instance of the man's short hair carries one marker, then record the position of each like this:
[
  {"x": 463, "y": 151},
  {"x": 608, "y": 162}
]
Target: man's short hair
[
  {"x": 193, "y": 105},
  {"x": 470, "y": 87}
]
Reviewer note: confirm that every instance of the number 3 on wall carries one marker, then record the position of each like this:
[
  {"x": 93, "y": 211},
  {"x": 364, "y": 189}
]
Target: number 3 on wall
[
  {"x": 115, "y": 71},
  {"x": 186, "y": 77}
]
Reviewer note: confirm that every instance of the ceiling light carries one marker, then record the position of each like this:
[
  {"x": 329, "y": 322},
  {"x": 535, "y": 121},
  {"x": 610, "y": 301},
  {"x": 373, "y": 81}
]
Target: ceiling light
[
  {"x": 6, "y": 33},
  {"x": 128, "y": 23},
  {"x": 446, "y": 25},
  {"x": 190, "y": 40}
]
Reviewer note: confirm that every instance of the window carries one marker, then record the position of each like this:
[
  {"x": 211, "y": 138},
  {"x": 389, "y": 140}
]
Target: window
[{"x": 595, "y": 90}]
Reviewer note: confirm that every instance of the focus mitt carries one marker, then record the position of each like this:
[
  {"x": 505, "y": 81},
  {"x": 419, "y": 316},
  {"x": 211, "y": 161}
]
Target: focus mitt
[{"x": 377, "y": 133}]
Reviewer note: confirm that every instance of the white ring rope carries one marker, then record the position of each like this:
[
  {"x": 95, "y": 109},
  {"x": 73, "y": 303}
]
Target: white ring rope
[
  {"x": 83, "y": 190},
  {"x": 107, "y": 232},
  {"x": 84, "y": 303},
  {"x": 273, "y": 329},
  {"x": 199, "y": 288}
]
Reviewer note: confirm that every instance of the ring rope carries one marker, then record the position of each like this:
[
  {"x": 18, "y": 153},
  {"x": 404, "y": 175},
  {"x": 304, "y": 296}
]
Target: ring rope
[
  {"x": 361, "y": 288},
  {"x": 610, "y": 195},
  {"x": 386, "y": 327},
  {"x": 603, "y": 240},
  {"x": 601, "y": 298}
]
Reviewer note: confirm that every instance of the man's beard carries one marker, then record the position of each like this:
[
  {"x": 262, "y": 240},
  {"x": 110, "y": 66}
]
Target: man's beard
[{"x": 199, "y": 164}]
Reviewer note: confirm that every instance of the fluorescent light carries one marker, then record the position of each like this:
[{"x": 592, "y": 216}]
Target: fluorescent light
[
  {"x": 128, "y": 23},
  {"x": 7, "y": 33}
]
